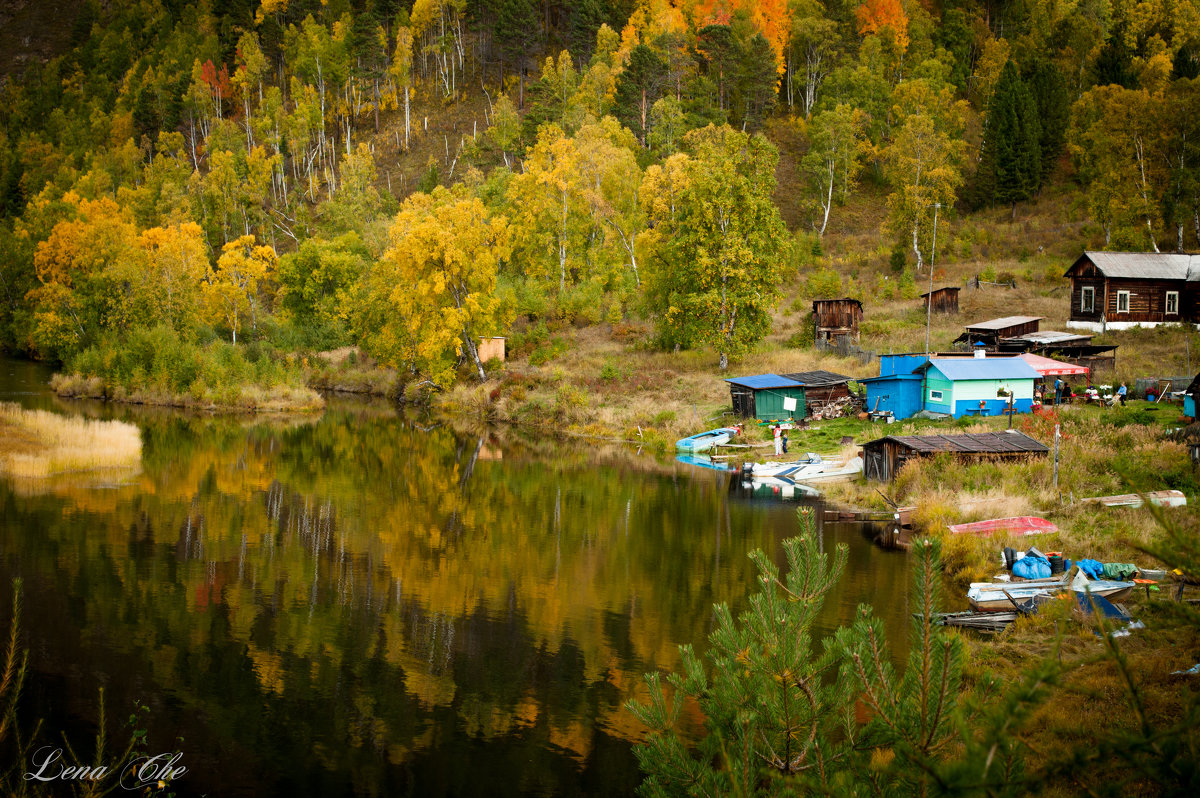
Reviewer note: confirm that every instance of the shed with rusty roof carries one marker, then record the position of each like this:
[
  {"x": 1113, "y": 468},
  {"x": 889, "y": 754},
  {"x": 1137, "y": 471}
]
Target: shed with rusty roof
[
  {"x": 945, "y": 300},
  {"x": 883, "y": 458},
  {"x": 990, "y": 332}
]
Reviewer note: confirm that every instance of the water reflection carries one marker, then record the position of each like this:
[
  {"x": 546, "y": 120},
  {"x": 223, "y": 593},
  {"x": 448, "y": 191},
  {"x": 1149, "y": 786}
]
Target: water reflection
[{"x": 366, "y": 603}]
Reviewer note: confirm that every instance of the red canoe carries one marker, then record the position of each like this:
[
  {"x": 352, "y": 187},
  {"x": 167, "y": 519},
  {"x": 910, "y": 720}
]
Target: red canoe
[{"x": 1023, "y": 525}]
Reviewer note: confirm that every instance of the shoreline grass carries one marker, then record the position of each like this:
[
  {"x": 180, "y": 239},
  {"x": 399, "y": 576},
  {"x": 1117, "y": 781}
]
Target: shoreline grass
[{"x": 36, "y": 444}]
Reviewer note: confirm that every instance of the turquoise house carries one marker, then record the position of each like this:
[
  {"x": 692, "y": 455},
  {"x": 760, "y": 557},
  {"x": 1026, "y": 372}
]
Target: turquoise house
[{"x": 972, "y": 386}]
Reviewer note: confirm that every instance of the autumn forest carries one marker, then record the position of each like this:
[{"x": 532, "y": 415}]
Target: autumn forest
[{"x": 194, "y": 194}]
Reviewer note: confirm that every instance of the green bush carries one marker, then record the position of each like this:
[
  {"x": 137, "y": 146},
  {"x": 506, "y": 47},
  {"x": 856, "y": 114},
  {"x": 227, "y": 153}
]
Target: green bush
[{"x": 898, "y": 259}]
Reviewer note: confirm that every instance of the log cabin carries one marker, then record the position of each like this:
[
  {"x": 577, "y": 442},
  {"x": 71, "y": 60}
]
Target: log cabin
[{"x": 1119, "y": 290}]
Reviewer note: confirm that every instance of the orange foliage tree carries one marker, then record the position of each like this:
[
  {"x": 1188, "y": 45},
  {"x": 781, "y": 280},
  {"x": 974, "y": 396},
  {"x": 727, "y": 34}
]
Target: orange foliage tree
[{"x": 885, "y": 17}]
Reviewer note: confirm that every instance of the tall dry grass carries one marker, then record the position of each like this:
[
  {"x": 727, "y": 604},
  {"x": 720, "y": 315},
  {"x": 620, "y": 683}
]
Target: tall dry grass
[{"x": 37, "y": 444}]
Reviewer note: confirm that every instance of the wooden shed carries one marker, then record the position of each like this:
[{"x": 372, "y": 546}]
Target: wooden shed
[
  {"x": 883, "y": 458},
  {"x": 945, "y": 300},
  {"x": 991, "y": 331},
  {"x": 836, "y": 318},
  {"x": 766, "y": 397},
  {"x": 821, "y": 388}
]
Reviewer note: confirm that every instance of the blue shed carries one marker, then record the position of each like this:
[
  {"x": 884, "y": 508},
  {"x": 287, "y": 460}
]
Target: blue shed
[
  {"x": 900, "y": 364},
  {"x": 1190, "y": 396},
  {"x": 971, "y": 386},
  {"x": 898, "y": 393}
]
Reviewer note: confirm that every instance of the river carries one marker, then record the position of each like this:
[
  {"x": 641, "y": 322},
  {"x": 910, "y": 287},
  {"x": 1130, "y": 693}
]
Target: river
[{"x": 371, "y": 603}]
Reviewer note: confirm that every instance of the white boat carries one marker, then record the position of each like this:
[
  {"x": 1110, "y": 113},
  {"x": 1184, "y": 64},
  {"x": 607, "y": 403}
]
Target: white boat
[
  {"x": 807, "y": 471},
  {"x": 999, "y": 597},
  {"x": 1159, "y": 498}
]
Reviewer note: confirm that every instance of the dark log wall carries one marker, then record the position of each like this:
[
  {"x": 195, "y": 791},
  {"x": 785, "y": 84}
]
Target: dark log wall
[{"x": 1147, "y": 300}]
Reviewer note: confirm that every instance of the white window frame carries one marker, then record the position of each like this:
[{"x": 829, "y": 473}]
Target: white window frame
[
  {"x": 1087, "y": 299},
  {"x": 1172, "y": 303},
  {"x": 1122, "y": 295},
  {"x": 935, "y": 396}
]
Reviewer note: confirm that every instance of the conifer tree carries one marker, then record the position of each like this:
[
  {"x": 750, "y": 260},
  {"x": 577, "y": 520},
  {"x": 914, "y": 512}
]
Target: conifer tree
[{"x": 1011, "y": 160}]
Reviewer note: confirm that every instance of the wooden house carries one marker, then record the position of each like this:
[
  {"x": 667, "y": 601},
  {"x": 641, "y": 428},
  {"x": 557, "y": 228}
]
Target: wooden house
[
  {"x": 1118, "y": 290},
  {"x": 990, "y": 332},
  {"x": 836, "y": 318},
  {"x": 945, "y": 300},
  {"x": 766, "y": 397},
  {"x": 883, "y": 458}
]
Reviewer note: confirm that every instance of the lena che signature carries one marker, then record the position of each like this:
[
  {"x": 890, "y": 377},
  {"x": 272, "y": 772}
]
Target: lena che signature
[{"x": 147, "y": 770}]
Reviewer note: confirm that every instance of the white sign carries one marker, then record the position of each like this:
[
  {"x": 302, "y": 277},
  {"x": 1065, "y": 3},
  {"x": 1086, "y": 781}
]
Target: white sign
[{"x": 789, "y": 403}]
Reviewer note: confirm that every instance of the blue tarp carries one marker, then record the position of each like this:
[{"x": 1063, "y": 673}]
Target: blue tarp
[
  {"x": 760, "y": 381},
  {"x": 1031, "y": 566},
  {"x": 1093, "y": 568}
]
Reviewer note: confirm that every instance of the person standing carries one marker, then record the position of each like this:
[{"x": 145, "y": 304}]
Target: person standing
[
  {"x": 778, "y": 439},
  {"x": 785, "y": 441},
  {"x": 1058, "y": 391}
]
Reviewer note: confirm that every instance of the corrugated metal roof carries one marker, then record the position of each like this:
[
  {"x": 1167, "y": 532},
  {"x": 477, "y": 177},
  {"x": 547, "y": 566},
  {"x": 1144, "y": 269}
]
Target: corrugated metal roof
[
  {"x": 1145, "y": 265},
  {"x": 976, "y": 368},
  {"x": 1007, "y": 442},
  {"x": 817, "y": 378},
  {"x": 761, "y": 381},
  {"x": 1049, "y": 337},
  {"x": 1003, "y": 323}
]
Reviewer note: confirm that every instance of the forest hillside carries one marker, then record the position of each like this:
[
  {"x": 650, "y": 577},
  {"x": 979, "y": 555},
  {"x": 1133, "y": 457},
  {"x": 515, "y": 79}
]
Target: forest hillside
[{"x": 199, "y": 197}]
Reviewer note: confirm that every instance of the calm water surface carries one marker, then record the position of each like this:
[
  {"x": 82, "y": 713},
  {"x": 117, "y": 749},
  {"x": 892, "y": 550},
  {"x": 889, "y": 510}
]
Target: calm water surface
[{"x": 368, "y": 603}]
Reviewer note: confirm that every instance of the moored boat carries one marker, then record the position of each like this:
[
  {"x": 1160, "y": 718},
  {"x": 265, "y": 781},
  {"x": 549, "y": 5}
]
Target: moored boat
[
  {"x": 810, "y": 470},
  {"x": 1019, "y": 525},
  {"x": 1000, "y": 597},
  {"x": 703, "y": 441}
]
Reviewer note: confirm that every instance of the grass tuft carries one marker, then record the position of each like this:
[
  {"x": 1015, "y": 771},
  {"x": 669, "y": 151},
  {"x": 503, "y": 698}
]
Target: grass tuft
[{"x": 37, "y": 444}]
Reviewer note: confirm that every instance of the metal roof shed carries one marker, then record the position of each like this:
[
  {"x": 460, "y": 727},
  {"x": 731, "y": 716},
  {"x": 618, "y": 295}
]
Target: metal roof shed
[
  {"x": 766, "y": 396},
  {"x": 973, "y": 385},
  {"x": 883, "y": 458}
]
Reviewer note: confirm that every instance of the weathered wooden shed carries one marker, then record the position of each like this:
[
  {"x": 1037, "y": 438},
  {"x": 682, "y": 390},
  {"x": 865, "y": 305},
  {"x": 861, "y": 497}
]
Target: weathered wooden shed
[
  {"x": 991, "y": 331},
  {"x": 883, "y": 458},
  {"x": 767, "y": 396},
  {"x": 836, "y": 318},
  {"x": 945, "y": 300},
  {"x": 821, "y": 388}
]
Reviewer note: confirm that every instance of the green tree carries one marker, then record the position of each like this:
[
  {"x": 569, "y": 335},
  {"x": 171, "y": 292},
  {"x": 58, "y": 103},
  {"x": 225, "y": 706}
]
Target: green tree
[
  {"x": 719, "y": 251},
  {"x": 834, "y": 158},
  {"x": 638, "y": 88},
  {"x": 1010, "y": 168}
]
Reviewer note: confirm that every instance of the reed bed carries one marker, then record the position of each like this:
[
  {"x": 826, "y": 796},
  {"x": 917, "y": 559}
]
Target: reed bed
[{"x": 38, "y": 444}]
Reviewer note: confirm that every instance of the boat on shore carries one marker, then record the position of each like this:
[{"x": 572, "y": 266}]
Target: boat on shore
[
  {"x": 1019, "y": 525},
  {"x": 1159, "y": 498},
  {"x": 1004, "y": 597},
  {"x": 811, "y": 469},
  {"x": 704, "y": 441}
]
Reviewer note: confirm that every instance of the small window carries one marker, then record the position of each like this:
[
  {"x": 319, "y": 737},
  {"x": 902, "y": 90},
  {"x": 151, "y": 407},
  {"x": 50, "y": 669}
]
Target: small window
[
  {"x": 1087, "y": 302},
  {"x": 1122, "y": 302},
  {"x": 935, "y": 396},
  {"x": 1173, "y": 302}
]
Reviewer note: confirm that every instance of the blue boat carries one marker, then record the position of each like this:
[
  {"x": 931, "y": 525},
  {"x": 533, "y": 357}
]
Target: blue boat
[{"x": 703, "y": 441}]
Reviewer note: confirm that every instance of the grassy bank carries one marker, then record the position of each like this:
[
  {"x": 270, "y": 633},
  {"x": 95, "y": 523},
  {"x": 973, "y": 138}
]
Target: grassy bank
[
  {"x": 160, "y": 367},
  {"x": 36, "y": 444}
]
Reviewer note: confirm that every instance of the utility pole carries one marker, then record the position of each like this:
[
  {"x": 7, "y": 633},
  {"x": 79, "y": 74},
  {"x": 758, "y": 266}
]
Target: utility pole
[{"x": 929, "y": 296}]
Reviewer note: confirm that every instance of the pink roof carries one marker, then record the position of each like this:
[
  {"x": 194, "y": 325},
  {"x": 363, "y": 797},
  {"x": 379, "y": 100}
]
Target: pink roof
[{"x": 1048, "y": 367}]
